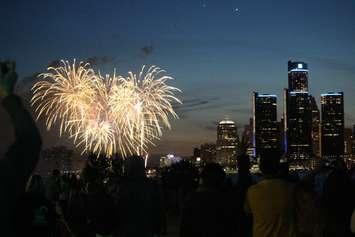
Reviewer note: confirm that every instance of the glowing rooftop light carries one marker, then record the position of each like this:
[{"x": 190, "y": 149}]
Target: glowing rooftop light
[
  {"x": 266, "y": 95},
  {"x": 298, "y": 70},
  {"x": 298, "y": 92},
  {"x": 226, "y": 122},
  {"x": 332, "y": 94}
]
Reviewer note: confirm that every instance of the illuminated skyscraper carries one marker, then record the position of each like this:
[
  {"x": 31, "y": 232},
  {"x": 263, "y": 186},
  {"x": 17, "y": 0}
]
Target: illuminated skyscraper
[
  {"x": 227, "y": 143},
  {"x": 348, "y": 142},
  {"x": 332, "y": 135},
  {"x": 247, "y": 135},
  {"x": 266, "y": 135},
  {"x": 298, "y": 115},
  {"x": 297, "y": 76},
  {"x": 298, "y": 125},
  {"x": 315, "y": 127},
  {"x": 208, "y": 152}
]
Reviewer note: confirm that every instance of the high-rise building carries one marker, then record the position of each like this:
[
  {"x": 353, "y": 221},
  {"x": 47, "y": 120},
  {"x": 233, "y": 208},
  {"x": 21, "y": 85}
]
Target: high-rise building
[
  {"x": 196, "y": 152},
  {"x": 246, "y": 142},
  {"x": 298, "y": 143},
  {"x": 353, "y": 142},
  {"x": 247, "y": 135},
  {"x": 298, "y": 126},
  {"x": 315, "y": 127},
  {"x": 227, "y": 143},
  {"x": 266, "y": 135},
  {"x": 297, "y": 76},
  {"x": 348, "y": 132},
  {"x": 208, "y": 152},
  {"x": 332, "y": 132},
  {"x": 282, "y": 135}
]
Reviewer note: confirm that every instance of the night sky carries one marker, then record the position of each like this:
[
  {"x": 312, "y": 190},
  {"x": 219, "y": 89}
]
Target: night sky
[{"x": 218, "y": 51}]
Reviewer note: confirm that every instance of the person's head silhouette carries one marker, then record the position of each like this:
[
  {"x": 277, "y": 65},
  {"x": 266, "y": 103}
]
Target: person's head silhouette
[
  {"x": 134, "y": 167},
  {"x": 269, "y": 163},
  {"x": 36, "y": 185},
  {"x": 212, "y": 175},
  {"x": 243, "y": 163}
]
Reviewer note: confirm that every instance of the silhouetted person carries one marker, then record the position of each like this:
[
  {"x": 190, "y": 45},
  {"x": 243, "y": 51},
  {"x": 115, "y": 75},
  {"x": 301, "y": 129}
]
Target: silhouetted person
[
  {"x": 77, "y": 213},
  {"x": 101, "y": 210},
  {"x": 244, "y": 181},
  {"x": 54, "y": 186},
  {"x": 352, "y": 175},
  {"x": 207, "y": 211},
  {"x": 35, "y": 215},
  {"x": 284, "y": 171},
  {"x": 21, "y": 158},
  {"x": 137, "y": 204},
  {"x": 308, "y": 221},
  {"x": 352, "y": 222},
  {"x": 337, "y": 204},
  {"x": 182, "y": 179},
  {"x": 271, "y": 202}
]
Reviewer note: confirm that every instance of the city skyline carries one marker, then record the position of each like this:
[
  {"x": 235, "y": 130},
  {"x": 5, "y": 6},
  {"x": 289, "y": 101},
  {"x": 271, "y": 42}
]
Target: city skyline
[
  {"x": 265, "y": 98},
  {"x": 217, "y": 55}
]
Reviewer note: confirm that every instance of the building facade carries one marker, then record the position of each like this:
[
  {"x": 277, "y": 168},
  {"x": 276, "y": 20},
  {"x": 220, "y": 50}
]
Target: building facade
[
  {"x": 298, "y": 145},
  {"x": 315, "y": 128},
  {"x": 332, "y": 132},
  {"x": 298, "y": 126},
  {"x": 227, "y": 143},
  {"x": 348, "y": 132},
  {"x": 208, "y": 152},
  {"x": 266, "y": 133},
  {"x": 297, "y": 76}
]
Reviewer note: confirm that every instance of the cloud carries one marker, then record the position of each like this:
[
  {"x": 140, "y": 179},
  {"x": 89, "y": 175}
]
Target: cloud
[
  {"x": 54, "y": 63},
  {"x": 191, "y": 103},
  {"x": 147, "y": 50},
  {"x": 195, "y": 104},
  {"x": 96, "y": 61},
  {"x": 335, "y": 64},
  {"x": 241, "y": 110},
  {"x": 24, "y": 85},
  {"x": 199, "y": 108},
  {"x": 211, "y": 126},
  {"x": 349, "y": 119},
  {"x": 31, "y": 78}
]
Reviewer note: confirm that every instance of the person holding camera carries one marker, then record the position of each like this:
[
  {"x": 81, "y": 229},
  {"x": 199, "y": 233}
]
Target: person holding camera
[{"x": 22, "y": 156}]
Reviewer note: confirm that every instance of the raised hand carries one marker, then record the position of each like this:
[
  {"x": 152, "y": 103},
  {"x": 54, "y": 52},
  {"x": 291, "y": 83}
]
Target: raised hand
[{"x": 8, "y": 78}]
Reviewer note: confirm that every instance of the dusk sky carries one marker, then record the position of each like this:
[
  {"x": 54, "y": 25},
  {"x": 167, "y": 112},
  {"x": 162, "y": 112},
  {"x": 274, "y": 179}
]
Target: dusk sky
[{"x": 217, "y": 51}]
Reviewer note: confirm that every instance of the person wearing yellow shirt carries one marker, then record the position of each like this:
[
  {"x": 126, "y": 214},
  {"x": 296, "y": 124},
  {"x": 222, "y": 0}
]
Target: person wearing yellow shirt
[{"x": 271, "y": 201}]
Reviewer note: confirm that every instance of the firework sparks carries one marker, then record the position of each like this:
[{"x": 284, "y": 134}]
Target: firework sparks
[
  {"x": 147, "y": 105},
  {"x": 106, "y": 114}
]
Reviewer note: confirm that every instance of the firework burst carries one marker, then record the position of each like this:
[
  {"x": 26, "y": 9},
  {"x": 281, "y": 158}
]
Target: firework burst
[
  {"x": 143, "y": 103},
  {"x": 106, "y": 114}
]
